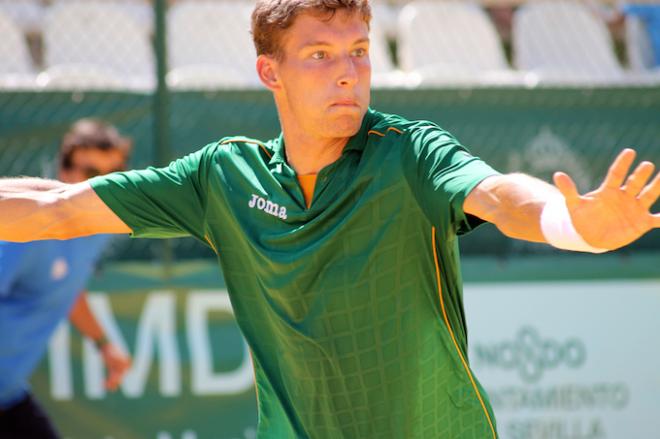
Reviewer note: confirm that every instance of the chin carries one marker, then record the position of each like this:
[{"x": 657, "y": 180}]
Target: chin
[
  {"x": 345, "y": 125},
  {"x": 344, "y": 130}
]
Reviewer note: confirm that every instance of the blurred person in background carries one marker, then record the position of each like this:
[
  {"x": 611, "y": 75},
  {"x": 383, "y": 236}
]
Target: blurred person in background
[{"x": 43, "y": 281}]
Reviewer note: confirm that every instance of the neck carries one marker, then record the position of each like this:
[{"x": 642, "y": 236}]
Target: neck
[{"x": 309, "y": 154}]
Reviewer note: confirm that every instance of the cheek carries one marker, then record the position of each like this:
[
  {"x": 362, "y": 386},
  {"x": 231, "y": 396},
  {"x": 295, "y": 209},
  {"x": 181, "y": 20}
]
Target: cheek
[
  {"x": 364, "y": 67},
  {"x": 305, "y": 87},
  {"x": 72, "y": 176},
  {"x": 314, "y": 76}
]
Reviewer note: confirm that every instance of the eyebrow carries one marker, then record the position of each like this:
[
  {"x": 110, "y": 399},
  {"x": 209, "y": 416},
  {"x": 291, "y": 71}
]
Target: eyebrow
[{"x": 326, "y": 43}]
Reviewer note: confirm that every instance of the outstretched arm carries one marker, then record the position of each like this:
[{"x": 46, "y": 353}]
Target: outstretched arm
[
  {"x": 33, "y": 209},
  {"x": 116, "y": 361},
  {"x": 610, "y": 217},
  {"x": 513, "y": 202}
]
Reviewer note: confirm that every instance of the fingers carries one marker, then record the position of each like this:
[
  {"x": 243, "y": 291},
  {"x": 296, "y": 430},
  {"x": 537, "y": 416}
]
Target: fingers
[
  {"x": 619, "y": 169},
  {"x": 567, "y": 188},
  {"x": 113, "y": 380},
  {"x": 639, "y": 178},
  {"x": 651, "y": 192},
  {"x": 117, "y": 364},
  {"x": 116, "y": 374}
]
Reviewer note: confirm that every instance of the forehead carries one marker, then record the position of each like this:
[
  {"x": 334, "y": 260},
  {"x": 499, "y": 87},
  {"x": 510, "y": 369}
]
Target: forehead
[
  {"x": 95, "y": 156},
  {"x": 314, "y": 27}
]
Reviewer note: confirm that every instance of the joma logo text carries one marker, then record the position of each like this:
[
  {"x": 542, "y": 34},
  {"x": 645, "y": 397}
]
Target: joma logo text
[{"x": 267, "y": 206}]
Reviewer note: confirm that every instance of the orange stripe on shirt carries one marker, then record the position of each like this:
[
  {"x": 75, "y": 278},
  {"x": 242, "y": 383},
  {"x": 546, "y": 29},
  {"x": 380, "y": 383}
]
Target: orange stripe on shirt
[{"x": 453, "y": 337}]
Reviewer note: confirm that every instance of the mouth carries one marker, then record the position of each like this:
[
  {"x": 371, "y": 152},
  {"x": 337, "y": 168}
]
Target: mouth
[{"x": 345, "y": 103}]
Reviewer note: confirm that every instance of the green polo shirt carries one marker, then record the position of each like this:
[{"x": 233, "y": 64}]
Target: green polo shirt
[{"x": 352, "y": 307}]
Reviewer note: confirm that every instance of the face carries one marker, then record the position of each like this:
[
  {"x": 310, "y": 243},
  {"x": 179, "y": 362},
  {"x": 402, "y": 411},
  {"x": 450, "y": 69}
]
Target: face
[
  {"x": 90, "y": 162},
  {"x": 322, "y": 83}
]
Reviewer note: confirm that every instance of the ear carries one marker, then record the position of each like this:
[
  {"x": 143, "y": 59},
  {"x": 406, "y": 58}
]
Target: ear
[{"x": 267, "y": 71}]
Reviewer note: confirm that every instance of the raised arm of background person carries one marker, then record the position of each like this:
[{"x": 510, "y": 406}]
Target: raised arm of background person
[
  {"x": 116, "y": 361},
  {"x": 610, "y": 217},
  {"x": 33, "y": 209}
]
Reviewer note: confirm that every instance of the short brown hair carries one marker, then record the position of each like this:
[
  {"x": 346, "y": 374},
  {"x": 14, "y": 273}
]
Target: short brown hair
[
  {"x": 271, "y": 18},
  {"x": 91, "y": 134}
]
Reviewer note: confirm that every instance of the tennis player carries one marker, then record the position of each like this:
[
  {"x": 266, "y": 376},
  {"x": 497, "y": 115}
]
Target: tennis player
[
  {"x": 41, "y": 282},
  {"x": 338, "y": 239}
]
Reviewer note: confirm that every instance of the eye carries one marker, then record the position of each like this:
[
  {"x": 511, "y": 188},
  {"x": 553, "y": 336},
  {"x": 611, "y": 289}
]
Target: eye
[
  {"x": 319, "y": 54},
  {"x": 360, "y": 52}
]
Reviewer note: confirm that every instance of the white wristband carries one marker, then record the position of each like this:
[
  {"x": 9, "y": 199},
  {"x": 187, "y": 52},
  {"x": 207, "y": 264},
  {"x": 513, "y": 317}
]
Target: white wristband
[{"x": 558, "y": 229}]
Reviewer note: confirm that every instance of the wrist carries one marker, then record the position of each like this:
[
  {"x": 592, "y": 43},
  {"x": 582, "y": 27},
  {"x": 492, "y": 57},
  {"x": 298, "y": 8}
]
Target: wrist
[
  {"x": 558, "y": 229},
  {"x": 101, "y": 342}
]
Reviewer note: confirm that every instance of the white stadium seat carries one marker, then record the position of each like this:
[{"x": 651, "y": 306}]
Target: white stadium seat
[
  {"x": 387, "y": 16},
  {"x": 381, "y": 61},
  {"x": 141, "y": 11},
  {"x": 209, "y": 37},
  {"x": 79, "y": 77},
  {"x": 638, "y": 45},
  {"x": 205, "y": 77},
  {"x": 98, "y": 36},
  {"x": 27, "y": 14},
  {"x": 379, "y": 52},
  {"x": 450, "y": 42},
  {"x": 383, "y": 72},
  {"x": 15, "y": 62},
  {"x": 14, "y": 53},
  {"x": 563, "y": 42}
]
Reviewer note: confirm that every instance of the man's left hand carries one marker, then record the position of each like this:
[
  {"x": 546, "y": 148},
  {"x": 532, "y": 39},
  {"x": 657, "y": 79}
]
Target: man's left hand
[{"x": 619, "y": 211}]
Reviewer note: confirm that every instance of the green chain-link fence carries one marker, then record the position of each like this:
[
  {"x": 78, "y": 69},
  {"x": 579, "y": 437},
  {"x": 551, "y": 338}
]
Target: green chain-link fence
[{"x": 516, "y": 125}]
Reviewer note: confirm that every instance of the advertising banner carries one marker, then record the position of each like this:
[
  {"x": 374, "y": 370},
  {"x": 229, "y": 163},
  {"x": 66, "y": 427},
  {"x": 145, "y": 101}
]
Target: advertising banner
[
  {"x": 568, "y": 360},
  {"x": 560, "y": 360},
  {"x": 191, "y": 376}
]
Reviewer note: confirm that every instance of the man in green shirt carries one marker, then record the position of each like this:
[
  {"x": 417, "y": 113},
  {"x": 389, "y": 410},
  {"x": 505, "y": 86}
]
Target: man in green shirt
[{"x": 338, "y": 239}]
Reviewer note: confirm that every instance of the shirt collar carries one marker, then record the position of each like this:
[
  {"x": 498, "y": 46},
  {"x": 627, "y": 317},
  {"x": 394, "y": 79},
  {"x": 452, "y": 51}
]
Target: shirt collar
[
  {"x": 355, "y": 143},
  {"x": 278, "y": 150}
]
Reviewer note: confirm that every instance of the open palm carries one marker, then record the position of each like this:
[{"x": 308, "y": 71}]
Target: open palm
[{"x": 619, "y": 211}]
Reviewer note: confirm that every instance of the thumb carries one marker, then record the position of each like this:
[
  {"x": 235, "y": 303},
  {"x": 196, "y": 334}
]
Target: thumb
[{"x": 567, "y": 187}]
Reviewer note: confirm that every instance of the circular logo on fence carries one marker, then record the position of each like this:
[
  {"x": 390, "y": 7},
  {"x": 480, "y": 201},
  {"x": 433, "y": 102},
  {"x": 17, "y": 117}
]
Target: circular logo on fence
[{"x": 547, "y": 152}]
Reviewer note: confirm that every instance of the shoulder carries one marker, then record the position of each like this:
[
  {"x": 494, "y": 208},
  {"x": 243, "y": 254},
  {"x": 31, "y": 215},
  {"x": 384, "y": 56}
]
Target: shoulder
[
  {"x": 96, "y": 241},
  {"x": 409, "y": 134},
  {"x": 222, "y": 152},
  {"x": 241, "y": 146},
  {"x": 382, "y": 123},
  {"x": 11, "y": 250},
  {"x": 88, "y": 248}
]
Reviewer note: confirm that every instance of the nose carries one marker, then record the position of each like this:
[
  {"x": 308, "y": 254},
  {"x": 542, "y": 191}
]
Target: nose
[{"x": 348, "y": 75}]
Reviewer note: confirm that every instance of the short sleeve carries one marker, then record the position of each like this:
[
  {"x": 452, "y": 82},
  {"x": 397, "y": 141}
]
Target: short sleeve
[
  {"x": 159, "y": 202},
  {"x": 441, "y": 173}
]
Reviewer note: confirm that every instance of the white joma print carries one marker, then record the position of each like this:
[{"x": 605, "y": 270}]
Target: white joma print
[{"x": 267, "y": 206}]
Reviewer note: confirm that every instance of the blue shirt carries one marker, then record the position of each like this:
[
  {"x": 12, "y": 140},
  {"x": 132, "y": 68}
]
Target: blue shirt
[
  {"x": 39, "y": 282},
  {"x": 650, "y": 16}
]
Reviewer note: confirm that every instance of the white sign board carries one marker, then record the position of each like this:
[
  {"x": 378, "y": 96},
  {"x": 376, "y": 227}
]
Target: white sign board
[{"x": 568, "y": 360}]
